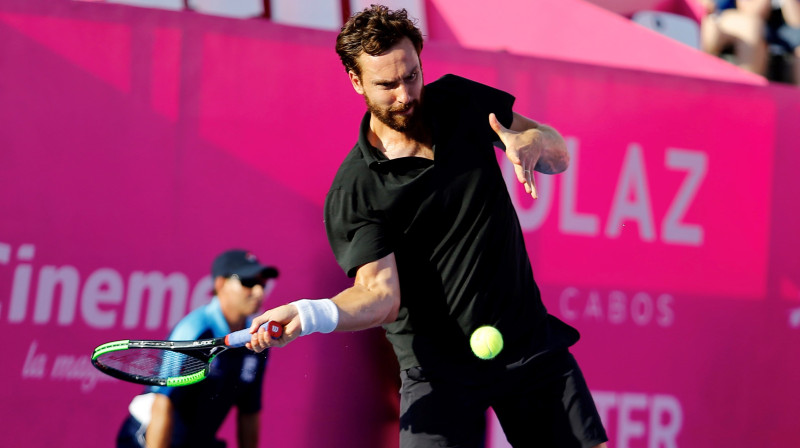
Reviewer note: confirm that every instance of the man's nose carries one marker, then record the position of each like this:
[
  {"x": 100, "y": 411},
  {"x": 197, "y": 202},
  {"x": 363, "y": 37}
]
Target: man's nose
[{"x": 402, "y": 94}]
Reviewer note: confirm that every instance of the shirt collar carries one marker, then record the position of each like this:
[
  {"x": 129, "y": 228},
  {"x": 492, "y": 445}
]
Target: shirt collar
[
  {"x": 219, "y": 326},
  {"x": 372, "y": 156}
]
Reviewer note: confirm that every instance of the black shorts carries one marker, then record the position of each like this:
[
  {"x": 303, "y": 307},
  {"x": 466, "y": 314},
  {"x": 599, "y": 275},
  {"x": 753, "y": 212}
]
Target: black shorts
[
  {"x": 781, "y": 34},
  {"x": 543, "y": 404}
]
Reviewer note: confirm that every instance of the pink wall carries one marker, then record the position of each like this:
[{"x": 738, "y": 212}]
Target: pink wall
[
  {"x": 137, "y": 144},
  {"x": 133, "y": 145},
  {"x": 628, "y": 7},
  {"x": 575, "y": 31}
]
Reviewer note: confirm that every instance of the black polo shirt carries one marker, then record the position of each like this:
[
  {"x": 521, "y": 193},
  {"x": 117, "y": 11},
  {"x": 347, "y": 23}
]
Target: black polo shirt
[{"x": 450, "y": 222}]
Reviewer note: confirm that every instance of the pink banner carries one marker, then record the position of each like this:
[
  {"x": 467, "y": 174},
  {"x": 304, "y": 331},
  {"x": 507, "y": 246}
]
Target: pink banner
[
  {"x": 119, "y": 187},
  {"x": 575, "y": 31},
  {"x": 138, "y": 144},
  {"x": 652, "y": 185},
  {"x": 658, "y": 244}
]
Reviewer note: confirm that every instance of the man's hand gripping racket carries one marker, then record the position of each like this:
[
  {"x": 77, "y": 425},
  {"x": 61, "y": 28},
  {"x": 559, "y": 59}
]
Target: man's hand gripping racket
[{"x": 286, "y": 314}]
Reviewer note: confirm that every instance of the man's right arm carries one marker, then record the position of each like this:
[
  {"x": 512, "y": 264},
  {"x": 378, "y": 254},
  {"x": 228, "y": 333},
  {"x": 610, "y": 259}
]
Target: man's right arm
[
  {"x": 373, "y": 300},
  {"x": 159, "y": 431}
]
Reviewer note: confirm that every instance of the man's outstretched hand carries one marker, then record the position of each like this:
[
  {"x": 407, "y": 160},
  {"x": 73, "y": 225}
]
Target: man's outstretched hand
[{"x": 523, "y": 149}]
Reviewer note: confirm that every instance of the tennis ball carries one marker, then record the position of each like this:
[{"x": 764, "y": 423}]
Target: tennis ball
[{"x": 486, "y": 342}]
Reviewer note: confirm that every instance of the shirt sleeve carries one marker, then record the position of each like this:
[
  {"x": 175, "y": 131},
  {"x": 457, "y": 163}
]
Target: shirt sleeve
[
  {"x": 482, "y": 100},
  {"x": 356, "y": 234}
]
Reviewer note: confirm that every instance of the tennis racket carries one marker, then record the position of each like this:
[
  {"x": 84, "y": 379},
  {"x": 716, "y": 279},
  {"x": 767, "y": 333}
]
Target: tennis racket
[{"x": 168, "y": 363}]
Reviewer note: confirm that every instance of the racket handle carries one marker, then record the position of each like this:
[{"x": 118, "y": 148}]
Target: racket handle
[{"x": 242, "y": 337}]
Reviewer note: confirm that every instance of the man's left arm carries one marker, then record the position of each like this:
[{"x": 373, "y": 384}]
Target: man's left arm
[
  {"x": 531, "y": 146},
  {"x": 247, "y": 429}
]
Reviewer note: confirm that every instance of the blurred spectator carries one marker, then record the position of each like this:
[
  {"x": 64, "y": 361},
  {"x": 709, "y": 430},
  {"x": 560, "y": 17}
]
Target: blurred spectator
[
  {"x": 190, "y": 416},
  {"x": 736, "y": 24},
  {"x": 783, "y": 34}
]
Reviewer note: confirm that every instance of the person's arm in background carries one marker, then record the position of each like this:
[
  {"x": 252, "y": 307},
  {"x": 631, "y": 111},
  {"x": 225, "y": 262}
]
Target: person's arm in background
[
  {"x": 708, "y": 6},
  {"x": 373, "y": 300},
  {"x": 159, "y": 431},
  {"x": 791, "y": 12},
  {"x": 531, "y": 146},
  {"x": 247, "y": 429},
  {"x": 759, "y": 8}
]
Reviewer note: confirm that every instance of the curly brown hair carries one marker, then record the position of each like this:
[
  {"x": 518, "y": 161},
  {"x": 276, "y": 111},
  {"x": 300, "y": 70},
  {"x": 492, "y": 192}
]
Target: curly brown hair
[{"x": 373, "y": 31}]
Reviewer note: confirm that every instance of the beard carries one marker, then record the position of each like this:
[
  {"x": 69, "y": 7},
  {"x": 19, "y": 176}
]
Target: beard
[{"x": 393, "y": 117}]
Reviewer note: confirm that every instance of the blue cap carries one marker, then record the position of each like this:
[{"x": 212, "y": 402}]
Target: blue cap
[{"x": 241, "y": 263}]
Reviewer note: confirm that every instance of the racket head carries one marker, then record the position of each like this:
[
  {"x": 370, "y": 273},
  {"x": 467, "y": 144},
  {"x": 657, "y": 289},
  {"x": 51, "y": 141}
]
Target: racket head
[{"x": 156, "y": 363}]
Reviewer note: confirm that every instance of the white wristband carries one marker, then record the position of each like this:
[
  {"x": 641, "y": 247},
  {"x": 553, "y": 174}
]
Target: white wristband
[{"x": 317, "y": 315}]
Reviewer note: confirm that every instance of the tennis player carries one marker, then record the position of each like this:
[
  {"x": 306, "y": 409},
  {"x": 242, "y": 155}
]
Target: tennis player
[
  {"x": 190, "y": 416},
  {"x": 420, "y": 215}
]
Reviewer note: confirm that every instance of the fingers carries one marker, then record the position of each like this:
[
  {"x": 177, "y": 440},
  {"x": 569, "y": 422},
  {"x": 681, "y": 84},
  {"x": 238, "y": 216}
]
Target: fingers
[
  {"x": 258, "y": 321},
  {"x": 262, "y": 340},
  {"x": 258, "y": 342},
  {"x": 506, "y": 136},
  {"x": 530, "y": 184},
  {"x": 516, "y": 145},
  {"x": 285, "y": 315},
  {"x": 495, "y": 124},
  {"x": 521, "y": 175},
  {"x": 282, "y": 315},
  {"x": 525, "y": 177}
]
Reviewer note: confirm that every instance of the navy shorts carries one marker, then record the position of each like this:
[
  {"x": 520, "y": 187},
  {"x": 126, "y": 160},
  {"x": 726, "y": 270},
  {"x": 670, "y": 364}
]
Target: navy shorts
[
  {"x": 543, "y": 404},
  {"x": 131, "y": 435}
]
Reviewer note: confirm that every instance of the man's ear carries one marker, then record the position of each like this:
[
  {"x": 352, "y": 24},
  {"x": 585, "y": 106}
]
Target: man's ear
[
  {"x": 218, "y": 282},
  {"x": 356, "y": 82}
]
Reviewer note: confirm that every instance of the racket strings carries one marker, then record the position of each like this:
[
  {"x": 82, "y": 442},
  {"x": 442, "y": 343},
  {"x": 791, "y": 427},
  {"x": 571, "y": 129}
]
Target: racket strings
[{"x": 152, "y": 363}]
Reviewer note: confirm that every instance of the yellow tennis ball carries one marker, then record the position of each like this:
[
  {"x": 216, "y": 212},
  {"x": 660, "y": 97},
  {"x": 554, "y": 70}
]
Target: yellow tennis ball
[{"x": 486, "y": 342}]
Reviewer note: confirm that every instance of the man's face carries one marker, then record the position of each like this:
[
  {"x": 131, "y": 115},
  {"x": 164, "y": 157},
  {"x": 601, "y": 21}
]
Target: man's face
[
  {"x": 392, "y": 86},
  {"x": 244, "y": 296}
]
